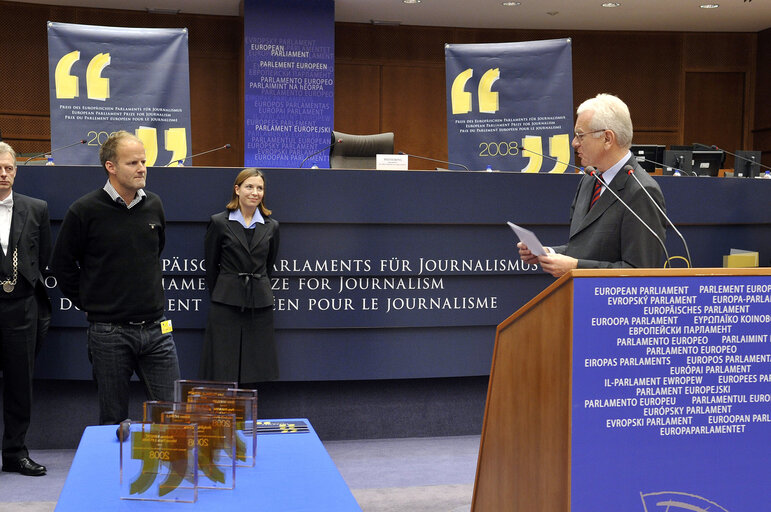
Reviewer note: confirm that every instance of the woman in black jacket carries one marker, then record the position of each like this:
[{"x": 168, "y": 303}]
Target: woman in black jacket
[{"x": 240, "y": 248}]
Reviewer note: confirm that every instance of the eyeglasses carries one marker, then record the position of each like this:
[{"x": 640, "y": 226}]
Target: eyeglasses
[{"x": 580, "y": 136}]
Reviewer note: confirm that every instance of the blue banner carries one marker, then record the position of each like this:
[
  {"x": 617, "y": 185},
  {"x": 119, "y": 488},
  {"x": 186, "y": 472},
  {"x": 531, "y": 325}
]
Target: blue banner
[
  {"x": 105, "y": 79},
  {"x": 289, "y": 61},
  {"x": 671, "y": 393},
  {"x": 508, "y": 104}
]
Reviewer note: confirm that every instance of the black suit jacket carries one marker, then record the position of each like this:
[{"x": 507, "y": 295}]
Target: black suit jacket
[
  {"x": 31, "y": 235},
  {"x": 228, "y": 253},
  {"x": 608, "y": 235}
]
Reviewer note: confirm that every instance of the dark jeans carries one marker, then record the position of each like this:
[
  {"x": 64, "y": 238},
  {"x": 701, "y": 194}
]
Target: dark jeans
[{"x": 117, "y": 351}]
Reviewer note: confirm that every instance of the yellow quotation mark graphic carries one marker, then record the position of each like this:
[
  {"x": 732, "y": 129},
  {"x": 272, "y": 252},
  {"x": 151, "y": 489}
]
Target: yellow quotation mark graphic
[
  {"x": 488, "y": 100},
  {"x": 175, "y": 140},
  {"x": 98, "y": 88},
  {"x": 68, "y": 85},
  {"x": 559, "y": 150}
]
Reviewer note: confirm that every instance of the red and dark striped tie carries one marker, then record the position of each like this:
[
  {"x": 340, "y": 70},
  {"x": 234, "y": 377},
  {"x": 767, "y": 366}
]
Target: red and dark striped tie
[{"x": 597, "y": 190}]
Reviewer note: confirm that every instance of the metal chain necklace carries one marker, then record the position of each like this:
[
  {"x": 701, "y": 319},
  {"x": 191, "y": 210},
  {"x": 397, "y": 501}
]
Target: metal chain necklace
[{"x": 9, "y": 284}]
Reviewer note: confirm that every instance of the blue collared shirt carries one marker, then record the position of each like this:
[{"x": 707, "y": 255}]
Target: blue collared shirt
[
  {"x": 239, "y": 217},
  {"x": 608, "y": 175},
  {"x": 118, "y": 199}
]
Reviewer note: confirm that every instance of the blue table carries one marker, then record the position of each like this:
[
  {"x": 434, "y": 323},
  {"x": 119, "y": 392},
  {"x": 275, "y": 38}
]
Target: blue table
[{"x": 293, "y": 472}]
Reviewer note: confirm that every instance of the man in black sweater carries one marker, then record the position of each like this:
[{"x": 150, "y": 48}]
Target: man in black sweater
[{"x": 107, "y": 262}]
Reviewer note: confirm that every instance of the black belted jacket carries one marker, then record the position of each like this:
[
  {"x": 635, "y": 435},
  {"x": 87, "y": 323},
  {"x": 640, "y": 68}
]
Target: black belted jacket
[{"x": 238, "y": 269}]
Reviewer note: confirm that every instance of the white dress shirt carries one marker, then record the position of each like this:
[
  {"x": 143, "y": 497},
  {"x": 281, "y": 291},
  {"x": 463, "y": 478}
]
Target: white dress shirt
[{"x": 6, "y": 213}]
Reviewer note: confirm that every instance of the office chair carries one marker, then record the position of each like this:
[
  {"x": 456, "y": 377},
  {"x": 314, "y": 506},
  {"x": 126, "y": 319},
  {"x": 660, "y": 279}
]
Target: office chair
[{"x": 358, "y": 151}]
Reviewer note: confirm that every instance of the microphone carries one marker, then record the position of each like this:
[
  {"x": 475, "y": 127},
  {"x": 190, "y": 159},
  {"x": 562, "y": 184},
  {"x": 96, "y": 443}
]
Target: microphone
[
  {"x": 434, "y": 160},
  {"x": 746, "y": 160},
  {"x": 630, "y": 171},
  {"x": 591, "y": 171},
  {"x": 81, "y": 141},
  {"x": 226, "y": 146},
  {"x": 338, "y": 141}
]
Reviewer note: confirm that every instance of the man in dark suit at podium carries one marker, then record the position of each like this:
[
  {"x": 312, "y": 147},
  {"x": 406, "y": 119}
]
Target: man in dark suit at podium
[
  {"x": 603, "y": 232},
  {"x": 25, "y": 236}
]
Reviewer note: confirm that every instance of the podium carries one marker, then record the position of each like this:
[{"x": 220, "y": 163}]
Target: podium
[{"x": 634, "y": 390}]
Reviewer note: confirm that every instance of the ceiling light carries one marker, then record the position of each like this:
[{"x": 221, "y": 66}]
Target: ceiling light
[
  {"x": 611, "y": 4},
  {"x": 511, "y": 4},
  {"x": 709, "y": 6},
  {"x": 411, "y": 1}
]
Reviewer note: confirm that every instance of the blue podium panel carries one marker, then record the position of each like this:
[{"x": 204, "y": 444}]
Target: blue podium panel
[
  {"x": 293, "y": 473},
  {"x": 671, "y": 405}
]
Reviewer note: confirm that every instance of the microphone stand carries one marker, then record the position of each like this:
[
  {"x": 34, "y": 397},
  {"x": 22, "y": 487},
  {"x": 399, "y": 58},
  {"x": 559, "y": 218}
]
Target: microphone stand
[
  {"x": 338, "y": 141},
  {"x": 593, "y": 174},
  {"x": 226, "y": 146},
  {"x": 81, "y": 141},
  {"x": 630, "y": 171},
  {"x": 434, "y": 160}
]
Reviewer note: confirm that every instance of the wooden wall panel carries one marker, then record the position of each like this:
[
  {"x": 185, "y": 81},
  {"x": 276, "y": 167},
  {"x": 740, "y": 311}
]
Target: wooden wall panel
[
  {"x": 24, "y": 60},
  {"x": 706, "y": 50},
  {"x": 714, "y": 106},
  {"x": 216, "y": 89},
  {"x": 763, "y": 91},
  {"x": 214, "y": 117},
  {"x": 373, "y": 43},
  {"x": 668, "y": 138},
  {"x": 414, "y": 108},
  {"x": 374, "y": 68},
  {"x": 24, "y": 107},
  {"x": 762, "y": 120},
  {"x": 727, "y": 52},
  {"x": 643, "y": 69},
  {"x": 486, "y": 35},
  {"x": 357, "y": 98}
]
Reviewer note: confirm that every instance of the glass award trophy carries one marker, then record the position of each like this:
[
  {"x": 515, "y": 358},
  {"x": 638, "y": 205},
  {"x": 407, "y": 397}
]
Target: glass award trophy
[
  {"x": 154, "y": 409},
  {"x": 183, "y": 386},
  {"x": 244, "y": 408},
  {"x": 158, "y": 462},
  {"x": 216, "y": 446}
]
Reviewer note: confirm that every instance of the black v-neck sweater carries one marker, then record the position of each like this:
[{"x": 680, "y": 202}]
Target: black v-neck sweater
[{"x": 107, "y": 258}]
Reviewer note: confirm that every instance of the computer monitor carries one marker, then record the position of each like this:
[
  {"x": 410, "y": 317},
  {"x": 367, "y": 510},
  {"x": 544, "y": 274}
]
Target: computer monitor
[
  {"x": 707, "y": 163},
  {"x": 678, "y": 159},
  {"x": 746, "y": 163},
  {"x": 649, "y": 156}
]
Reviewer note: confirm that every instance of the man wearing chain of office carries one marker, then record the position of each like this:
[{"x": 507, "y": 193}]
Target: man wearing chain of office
[{"x": 25, "y": 312}]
